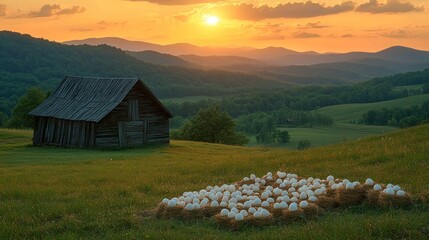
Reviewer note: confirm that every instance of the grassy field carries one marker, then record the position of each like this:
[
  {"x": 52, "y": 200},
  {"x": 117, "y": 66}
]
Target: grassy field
[
  {"x": 346, "y": 113},
  {"x": 54, "y": 193},
  {"x": 190, "y": 99},
  {"x": 326, "y": 135}
]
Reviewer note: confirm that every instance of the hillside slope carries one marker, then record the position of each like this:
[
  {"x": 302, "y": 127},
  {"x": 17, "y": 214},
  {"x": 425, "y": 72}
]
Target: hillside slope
[
  {"x": 346, "y": 113},
  {"x": 67, "y": 193}
]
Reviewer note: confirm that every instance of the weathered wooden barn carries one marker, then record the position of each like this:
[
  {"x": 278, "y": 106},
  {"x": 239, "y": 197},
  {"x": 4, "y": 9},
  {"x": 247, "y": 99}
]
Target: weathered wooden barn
[{"x": 87, "y": 112}]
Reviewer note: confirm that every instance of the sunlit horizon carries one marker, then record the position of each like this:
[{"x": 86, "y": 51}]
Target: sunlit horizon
[{"x": 321, "y": 26}]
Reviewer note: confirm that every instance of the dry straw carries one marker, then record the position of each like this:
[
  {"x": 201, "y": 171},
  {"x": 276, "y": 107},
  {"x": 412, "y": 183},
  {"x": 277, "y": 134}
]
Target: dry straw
[
  {"x": 395, "y": 200},
  {"x": 349, "y": 197},
  {"x": 293, "y": 216}
]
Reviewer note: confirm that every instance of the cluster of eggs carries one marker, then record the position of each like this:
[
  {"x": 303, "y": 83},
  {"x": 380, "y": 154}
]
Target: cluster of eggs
[
  {"x": 390, "y": 190},
  {"x": 254, "y": 196}
]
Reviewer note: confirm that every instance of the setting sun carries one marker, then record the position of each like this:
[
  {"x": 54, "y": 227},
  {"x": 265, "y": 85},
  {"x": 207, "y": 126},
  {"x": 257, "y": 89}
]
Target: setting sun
[{"x": 212, "y": 20}]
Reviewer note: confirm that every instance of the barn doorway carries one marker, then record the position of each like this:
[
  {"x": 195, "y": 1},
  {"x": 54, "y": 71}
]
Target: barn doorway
[{"x": 133, "y": 133}]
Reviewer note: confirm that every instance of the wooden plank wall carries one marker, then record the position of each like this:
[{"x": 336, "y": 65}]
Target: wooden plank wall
[
  {"x": 63, "y": 133},
  {"x": 107, "y": 132}
]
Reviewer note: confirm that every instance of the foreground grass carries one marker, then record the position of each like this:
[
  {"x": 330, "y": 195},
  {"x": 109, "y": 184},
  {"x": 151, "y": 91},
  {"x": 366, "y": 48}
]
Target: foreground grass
[{"x": 67, "y": 193}]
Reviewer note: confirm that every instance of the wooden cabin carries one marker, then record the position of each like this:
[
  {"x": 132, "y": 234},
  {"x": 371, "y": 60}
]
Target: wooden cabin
[{"x": 87, "y": 112}]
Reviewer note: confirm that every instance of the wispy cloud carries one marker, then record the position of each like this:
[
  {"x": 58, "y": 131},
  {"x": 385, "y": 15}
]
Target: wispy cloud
[
  {"x": 397, "y": 34},
  {"x": 307, "y": 9},
  {"x": 3, "y": 10},
  {"x": 311, "y": 25},
  {"x": 305, "y": 35},
  {"x": 98, "y": 26},
  {"x": 176, "y": 2},
  {"x": 49, "y": 10},
  {"x": 391, "y": 6}
]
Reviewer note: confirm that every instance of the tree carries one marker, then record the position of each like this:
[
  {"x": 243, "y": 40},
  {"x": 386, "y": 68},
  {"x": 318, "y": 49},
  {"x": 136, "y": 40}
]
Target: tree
[
  {"x": 213, "y": 126},
  {"x": 425, "y": 88},
  {"x": 29, "y": 101},
  {"x": 3, "y": 119},
  {"x": 304, "y": 144},
  {"x": 265, "y": 137},
  {"x": 282, "y": 136}
]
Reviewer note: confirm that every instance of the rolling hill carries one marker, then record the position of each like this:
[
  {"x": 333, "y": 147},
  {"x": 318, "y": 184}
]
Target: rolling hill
[
  {"x": 104, "y": 194},
  {"x": 346, "y": 113}
]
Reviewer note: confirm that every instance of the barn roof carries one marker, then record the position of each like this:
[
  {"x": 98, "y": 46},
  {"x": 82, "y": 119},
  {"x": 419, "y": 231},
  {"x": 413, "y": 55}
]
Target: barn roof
[{"x": 89, "y": 98}]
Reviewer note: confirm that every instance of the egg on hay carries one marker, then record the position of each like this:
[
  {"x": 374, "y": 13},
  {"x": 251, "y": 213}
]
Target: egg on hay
[{"x": 276, "y": 197}]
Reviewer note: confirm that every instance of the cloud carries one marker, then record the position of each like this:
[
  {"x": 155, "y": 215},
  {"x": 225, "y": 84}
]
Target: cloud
[
  {"x": 305, "y": 35},
  {"x": 54, "y": 10},
  {"x": 311, "y": 25},
  {"x": 347, "y": 35},
  {"x": 174, "y": 2},
  {"x": 269, "y": 37},
  {"x": 181, "y": 18},
  {"x": 2, "y": 10},
  {"x": 398, "y": 34},
  {"x": 98, "y": 26},
  {"x": 391, "y": 6},
  {"x": 308, "y": 9}
]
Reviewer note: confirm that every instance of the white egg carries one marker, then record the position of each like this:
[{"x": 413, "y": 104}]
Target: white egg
[
  {"x": 292, "y": 189},
  {"x": 350, "y": 186},
  {"x": 295, "y": 184},
  {"x": 264, "y": 195},
  {"x": 239, "y": 217},
  {"x": 214, "y": 204},
  {"x": 232, "y": 205},
  {"x": 263, "y": 182},
  {"x": 204, "y": 202},
  {"x": 318, "y": 192},
  {"x": 232, "y": 200},
  {"x": 252, "y": 176},
  {"x": 244, "y": 213},
  {"x": 252, "y": 210},
  {"x": 265, "y": 213},
  {"x": 303, "y": 196},
  {"x": 316, "y": 185},
  {"x": 377, "y": 187},
  {"x": 400, "y": 193},
  {"x": 234, "y": 210},
  {"x": 208, "y": 188},
  {"x": 330, "y": 178},
  {"x": 265, "y": 204},
  {"x": 293, "y": 207},
  {"x": 231, "y": 215},
  {"x": 312, "y": 199},
  {"x": 181, "y": 204},
  {"x": 276, "y": 205},
  {"x": 270, "y": 200},
  {"x": 257, "y": 202},
  {"x": 279, "y": 199},
  {"x": 310, "y": 193},
  {"x": 171, "y": 203},
  {"x": 389, "y": 191},
  {"x": 303, "y": 204},
  {"x": 197, "y": 206},
  {"x": 165, "y": 201},
  {"x": 389, "y": 185},
  {"x": 277, "y": 191},
  {"x": 396, "y": 188},
  {"x": 286, "y": 199},
  {"x": 285, "y": 193},
  {"x": 224, "y": 212},
  {"x": 279, "y": 181},
  {"x": 240, "y": 205},
  {"x": 188, "y": 200},
  {"x": 189, "y": 207},
  {"x": 334, "y": 186},
  {"x": 255, "y": 188},
  {"x": 369, "y": 181},
  {"x": 257, "y": 215},
  {"x": 345, "y": 181},
  {"x": 246, "y": 179},
  {"x": 294, "y": 199},
  {"x": 282, "y": 185},
  {"x": 223, "y": 204},
  {"x": 247, "y": 204},
  {"x": 283, "y": 205},
  {"x": 195, "y": 200}
]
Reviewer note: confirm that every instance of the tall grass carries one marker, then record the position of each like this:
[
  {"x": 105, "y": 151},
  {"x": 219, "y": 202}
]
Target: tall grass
[{"x": 69, "y": 193}]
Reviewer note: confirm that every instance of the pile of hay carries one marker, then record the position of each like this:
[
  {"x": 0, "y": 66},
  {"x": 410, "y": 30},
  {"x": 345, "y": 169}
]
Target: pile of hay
[{"x": 278, "y": 198}]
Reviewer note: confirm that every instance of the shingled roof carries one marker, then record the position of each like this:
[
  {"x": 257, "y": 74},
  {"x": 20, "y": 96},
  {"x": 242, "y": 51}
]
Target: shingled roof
[{"x": 89, "y": 98}]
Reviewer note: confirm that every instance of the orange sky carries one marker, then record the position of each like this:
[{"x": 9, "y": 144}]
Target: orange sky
[{"x": 323, "y": 26}]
